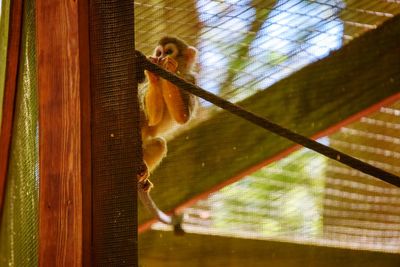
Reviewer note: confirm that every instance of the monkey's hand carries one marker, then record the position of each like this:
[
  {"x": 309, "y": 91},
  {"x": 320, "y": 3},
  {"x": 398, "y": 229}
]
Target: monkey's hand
[
  {"x": 174, "y": 101},
  {"x": 153, "y": 100},
  {"x": 169, "y": 64}
]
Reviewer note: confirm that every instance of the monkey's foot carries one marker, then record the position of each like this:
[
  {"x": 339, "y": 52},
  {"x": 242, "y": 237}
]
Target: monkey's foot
[
  {"x": 146, "y": 185},
  {"x": 143, "y": 173}
]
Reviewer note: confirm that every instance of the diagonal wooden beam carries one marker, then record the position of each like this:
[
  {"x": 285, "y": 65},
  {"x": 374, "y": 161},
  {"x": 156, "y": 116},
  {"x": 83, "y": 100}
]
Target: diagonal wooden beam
[
  {"x": 157, "y": 248},
  {"x": 311, "y": 100}
]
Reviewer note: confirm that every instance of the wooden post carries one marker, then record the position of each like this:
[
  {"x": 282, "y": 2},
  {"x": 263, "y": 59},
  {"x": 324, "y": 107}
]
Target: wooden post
[
  {"x": 90, "y": 148},
  {"x": 64, "y": 141}
]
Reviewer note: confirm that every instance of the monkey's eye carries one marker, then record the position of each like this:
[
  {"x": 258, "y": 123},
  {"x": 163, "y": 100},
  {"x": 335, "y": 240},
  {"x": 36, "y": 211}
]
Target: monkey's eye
[
  {"x": 171, "y": 50},
  {"x": 158, "y": 53}
]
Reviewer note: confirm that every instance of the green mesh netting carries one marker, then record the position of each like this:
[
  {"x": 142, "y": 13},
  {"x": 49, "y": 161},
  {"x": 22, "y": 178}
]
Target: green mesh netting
[
  {"x": 248, "y": 49},
  {"x": 4, "y": 17},
  {"x": 19, "y": 225}
]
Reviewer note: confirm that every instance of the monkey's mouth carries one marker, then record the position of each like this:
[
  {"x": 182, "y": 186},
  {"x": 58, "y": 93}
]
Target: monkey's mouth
[{"x": 157, "y": 60}]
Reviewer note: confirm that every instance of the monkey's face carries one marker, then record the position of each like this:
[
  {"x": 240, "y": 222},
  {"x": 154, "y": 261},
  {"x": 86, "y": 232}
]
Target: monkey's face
[
  {"x": 173, "y": 48},
  {"x": 163, "y": 51}
]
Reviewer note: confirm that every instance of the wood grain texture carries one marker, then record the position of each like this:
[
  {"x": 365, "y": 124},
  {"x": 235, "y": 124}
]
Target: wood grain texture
[
  {"x": 164, "y": 249},
  {"x": 85, "y": 97},
  {"x": 63, "y": 95},
  {"x": 311, "y": 100},
  {"x": 10, "y": 88}
]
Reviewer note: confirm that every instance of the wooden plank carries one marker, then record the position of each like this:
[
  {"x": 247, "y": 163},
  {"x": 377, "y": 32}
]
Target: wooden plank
[
  {"x": 158, "y": 248},
  {"x": 84, "y": 54},
  {"x": 311, "y": 100},
  {"x": 10, "y": 88},
  {"x": 63, "y": 141}
]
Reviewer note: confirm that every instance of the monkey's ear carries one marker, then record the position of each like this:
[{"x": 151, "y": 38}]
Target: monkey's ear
[{"x": 191, "y": 55}]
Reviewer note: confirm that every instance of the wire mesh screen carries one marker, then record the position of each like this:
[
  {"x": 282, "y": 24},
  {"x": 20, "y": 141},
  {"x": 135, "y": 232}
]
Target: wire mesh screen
[
  {"x": 308, "y": 198},
  {"x": 248, "y": 47},
  {"x": 19, "y": 224},
  {"x": 115, "y": 136},
  {"x": 359, "y": 209}
]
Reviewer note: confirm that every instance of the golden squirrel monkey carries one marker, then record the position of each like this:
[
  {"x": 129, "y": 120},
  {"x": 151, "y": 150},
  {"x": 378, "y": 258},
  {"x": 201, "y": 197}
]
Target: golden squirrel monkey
[{"x": 165, "y": 106}]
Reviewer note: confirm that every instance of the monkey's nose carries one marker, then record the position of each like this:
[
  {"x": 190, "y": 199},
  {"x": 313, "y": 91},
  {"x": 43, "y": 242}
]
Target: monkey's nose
[{"x": 158, "y": 59}]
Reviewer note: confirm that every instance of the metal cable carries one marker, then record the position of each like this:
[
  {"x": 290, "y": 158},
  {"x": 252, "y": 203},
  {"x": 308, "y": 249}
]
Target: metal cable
[{"x": 269, "y": 125}]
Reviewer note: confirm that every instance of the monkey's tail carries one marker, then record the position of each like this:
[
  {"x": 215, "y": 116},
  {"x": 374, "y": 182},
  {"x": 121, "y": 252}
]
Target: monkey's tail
[{"x": 175, "y": 219}]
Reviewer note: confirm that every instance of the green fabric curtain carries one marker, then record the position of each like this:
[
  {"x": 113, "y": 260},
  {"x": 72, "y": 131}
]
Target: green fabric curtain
[
  {"x": 19, "y": 225},
  {"x": 4, "y": 18}
]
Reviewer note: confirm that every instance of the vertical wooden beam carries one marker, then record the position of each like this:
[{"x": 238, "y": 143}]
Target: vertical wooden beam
[
  {"x": 10, "y": 88},
  {"x": 83, "y": 6},
  {"x": 64, "y": 134}
]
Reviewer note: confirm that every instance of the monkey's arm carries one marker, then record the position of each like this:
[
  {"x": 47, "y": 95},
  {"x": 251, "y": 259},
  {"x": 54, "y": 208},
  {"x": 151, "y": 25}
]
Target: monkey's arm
[
  {"x": 177, "y": 106},
  {"x": 154, "y": 103}
]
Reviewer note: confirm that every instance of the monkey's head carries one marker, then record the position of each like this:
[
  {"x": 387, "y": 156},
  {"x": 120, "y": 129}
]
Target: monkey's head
[{"x": 177, "y": 49}]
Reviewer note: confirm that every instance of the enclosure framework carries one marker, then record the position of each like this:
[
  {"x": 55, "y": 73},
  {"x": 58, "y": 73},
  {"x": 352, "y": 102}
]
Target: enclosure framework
[
  {"x": 89, "y": 141},
  {"x": 215, "y": 250},
  {"x": 89, "y": 149}
]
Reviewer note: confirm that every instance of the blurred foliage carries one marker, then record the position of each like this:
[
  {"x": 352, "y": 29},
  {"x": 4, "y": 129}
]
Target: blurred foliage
[
  {"x": 237, "y": 63},
  {"x": 246, "y": 46},
  {"x": 284, "y": 198},
  {"x": 273, "y": 38}
]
